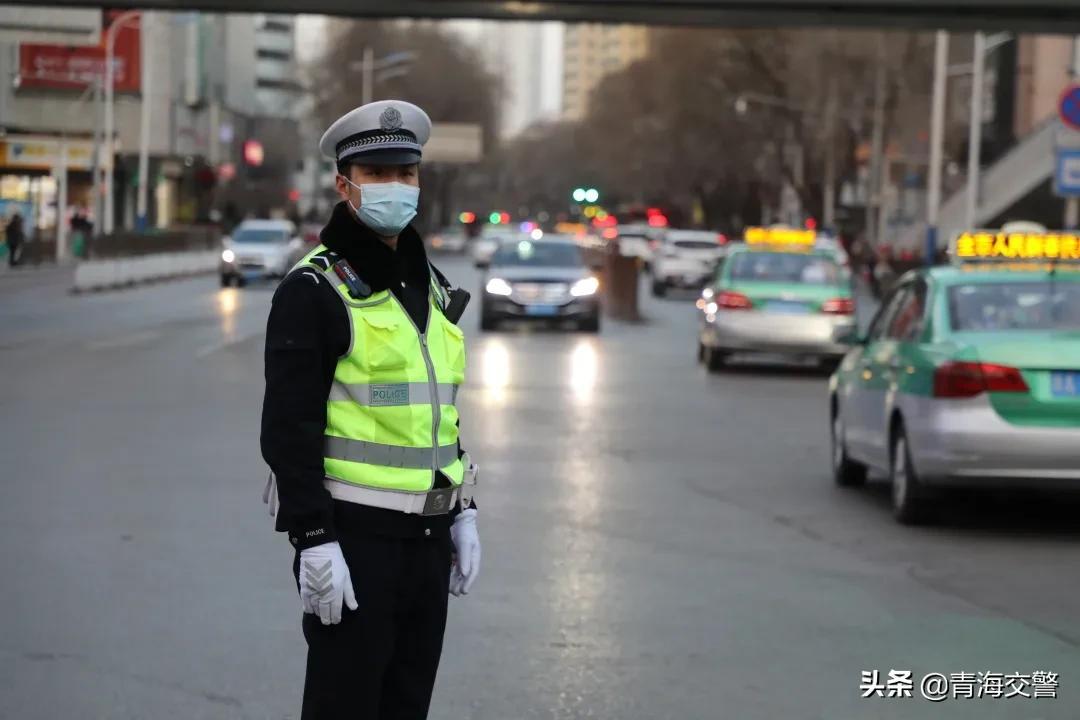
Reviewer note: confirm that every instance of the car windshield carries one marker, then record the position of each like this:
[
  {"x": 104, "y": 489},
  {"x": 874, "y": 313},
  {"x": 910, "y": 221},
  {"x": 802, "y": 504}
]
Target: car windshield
[
  {"x": 785, "y": 268},
  {"x": 526, "y": 253},
  {"x": 694, "y": 244},
  {"x": 1041, "y": 305},
  {"x": 259, "y": 235}
]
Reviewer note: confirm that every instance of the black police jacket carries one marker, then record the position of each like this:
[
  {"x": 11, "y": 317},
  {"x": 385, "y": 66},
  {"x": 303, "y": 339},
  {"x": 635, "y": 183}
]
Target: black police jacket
[{"x": 307, "y": 331}]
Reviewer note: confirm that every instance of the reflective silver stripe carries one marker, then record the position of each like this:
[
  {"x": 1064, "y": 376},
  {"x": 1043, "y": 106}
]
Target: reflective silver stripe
[
  {"x": 392, "y": 394},
  {"x": 338, "y": 448}
]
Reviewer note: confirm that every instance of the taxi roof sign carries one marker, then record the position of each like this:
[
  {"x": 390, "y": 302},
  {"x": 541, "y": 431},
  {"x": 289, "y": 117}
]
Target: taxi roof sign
[
  {"x": 982, "y": 245},
  {"x": 780, "y": 236}
]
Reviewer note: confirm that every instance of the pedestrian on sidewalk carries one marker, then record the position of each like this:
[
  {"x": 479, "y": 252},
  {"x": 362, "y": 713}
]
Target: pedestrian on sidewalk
[
  {"x": 15, "y": 238},
  {"x": 360, "y": 428}
]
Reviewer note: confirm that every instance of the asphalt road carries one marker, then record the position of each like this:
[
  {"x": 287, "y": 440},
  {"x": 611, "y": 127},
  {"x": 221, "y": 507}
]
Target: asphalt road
[{"x": 658, "y": 542}]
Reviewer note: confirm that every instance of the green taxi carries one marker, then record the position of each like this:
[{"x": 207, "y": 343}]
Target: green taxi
[
  {"x": 780, "y": 292},
  {"x": 969, "y": 375}
]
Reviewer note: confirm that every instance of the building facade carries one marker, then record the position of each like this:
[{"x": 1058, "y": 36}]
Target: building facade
[
  {"x": 213, "y": 84},
  {"x": 527, "y": 59},
  {"x": 590, "y": 53}
]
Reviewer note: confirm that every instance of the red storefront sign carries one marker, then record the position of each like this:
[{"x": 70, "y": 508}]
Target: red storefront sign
[{"x": 64, "y": 67}]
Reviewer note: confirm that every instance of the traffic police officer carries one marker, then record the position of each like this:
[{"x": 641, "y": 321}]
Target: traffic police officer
[{"x": 360, "y": 429}]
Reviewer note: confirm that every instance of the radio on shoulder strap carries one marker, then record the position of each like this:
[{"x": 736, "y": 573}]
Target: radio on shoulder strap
[
  {"x": 457, "y": 298},
  {"x": 358, "y": 289}
]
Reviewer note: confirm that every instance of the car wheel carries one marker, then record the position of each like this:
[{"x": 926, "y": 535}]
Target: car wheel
[
  {"x": 240, "y": 281},
  {"x": 846, "y": 472},
  {"x": 226, "y": 280},
  {"x": 590, "y": 324},
  {"x": 715, "y": 360},
  {"x": 908, "y": 496},
  {"x": 659, "y": 289},
  {"x": 488, "y": 323},
  {"x": 700, "y": 352}
]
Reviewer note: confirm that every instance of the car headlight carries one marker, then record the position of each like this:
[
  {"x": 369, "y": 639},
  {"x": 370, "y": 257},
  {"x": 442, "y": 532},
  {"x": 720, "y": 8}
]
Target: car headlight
[
  {"x": 707, "y": 294},
  {"x": 228, "y": 255},
  {"x": 498, "y": 286},
  {"x": 585, "y": 286}
]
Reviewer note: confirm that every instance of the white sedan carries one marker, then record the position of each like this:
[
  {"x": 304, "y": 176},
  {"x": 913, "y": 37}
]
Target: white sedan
[
  {"x": 259, "y": 249},
  {"x": 686, "y": 258}
]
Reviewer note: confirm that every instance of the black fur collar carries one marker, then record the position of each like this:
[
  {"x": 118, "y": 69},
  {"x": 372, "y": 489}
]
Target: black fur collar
[{"x": 371, "y": 258}]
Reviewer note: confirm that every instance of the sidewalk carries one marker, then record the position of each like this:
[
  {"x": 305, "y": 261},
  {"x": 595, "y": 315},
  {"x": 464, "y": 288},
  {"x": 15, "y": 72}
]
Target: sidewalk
[{"x": 21, "y": 276}]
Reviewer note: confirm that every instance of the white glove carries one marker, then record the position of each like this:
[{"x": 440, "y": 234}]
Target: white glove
[
  {"x": 325, "y": 582},
  {"x": 467, "y": 544}
]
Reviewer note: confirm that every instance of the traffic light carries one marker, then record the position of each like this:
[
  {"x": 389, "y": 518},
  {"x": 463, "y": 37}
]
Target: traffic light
[
  {"x": 467, "y": 218},
  {"x": 495, "y": 218},
  {"x": 582, "y": 195}
]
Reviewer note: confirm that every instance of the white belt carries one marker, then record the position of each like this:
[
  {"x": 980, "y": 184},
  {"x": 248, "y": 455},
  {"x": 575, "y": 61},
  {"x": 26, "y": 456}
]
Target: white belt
[{"x": 435, "y": 502}]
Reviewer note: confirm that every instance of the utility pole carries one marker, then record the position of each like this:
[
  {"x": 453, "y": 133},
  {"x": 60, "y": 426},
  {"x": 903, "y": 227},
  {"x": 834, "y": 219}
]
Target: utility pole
[
  {"x": 110, "y": 130},
  {"x": 975, "y": 132},
  {"x": 1072, "y": 204},
  {"x": 828, "y": 200},
  {"x": 61, "y": 202},
  {"x": 95, "y": 160},
  {"x": 368, "y": 75},
  {"x": 877, "y": 143},
  {"x": 144, "y": 123},
  {"x": 937, "y": 141}
]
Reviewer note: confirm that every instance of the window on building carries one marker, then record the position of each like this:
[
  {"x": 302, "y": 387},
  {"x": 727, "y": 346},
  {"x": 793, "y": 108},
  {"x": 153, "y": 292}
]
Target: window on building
[
  {"x": 277, "y": 26},
  {"x": 270, "y": 84},
  {"x": 265, "y": 54}
]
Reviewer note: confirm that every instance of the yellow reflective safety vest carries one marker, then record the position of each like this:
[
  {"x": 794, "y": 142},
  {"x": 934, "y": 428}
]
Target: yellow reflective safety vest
[{"x": 391, "y": 419}]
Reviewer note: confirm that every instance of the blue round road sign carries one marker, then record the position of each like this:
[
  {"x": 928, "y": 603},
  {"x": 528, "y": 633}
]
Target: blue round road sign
[{"x": 1069, "y": 107}]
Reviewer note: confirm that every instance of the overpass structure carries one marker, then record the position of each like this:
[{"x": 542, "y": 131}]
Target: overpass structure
[{"x": 1054, "y": 16}]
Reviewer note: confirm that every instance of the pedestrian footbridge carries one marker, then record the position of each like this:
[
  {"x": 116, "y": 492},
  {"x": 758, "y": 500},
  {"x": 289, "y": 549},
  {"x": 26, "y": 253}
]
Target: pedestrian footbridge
[
  {"x": 1026, "y": 169},
  {"x": 1011, "y": 15}
]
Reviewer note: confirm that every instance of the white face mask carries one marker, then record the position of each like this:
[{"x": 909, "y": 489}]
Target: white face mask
[{"x": 386, "y": 208}]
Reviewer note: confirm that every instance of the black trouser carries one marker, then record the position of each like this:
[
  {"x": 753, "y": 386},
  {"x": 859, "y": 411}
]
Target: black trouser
[{"x": 379, "y": 663}]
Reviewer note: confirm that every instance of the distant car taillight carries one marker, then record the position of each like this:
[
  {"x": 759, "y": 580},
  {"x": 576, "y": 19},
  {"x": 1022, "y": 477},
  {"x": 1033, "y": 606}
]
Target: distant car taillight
[
  {"x": 838, "y": 306},
  {"x": 729, "y": 300},
  {"x": 721, "y": 239},
  {"x": 969, "y": 379}
]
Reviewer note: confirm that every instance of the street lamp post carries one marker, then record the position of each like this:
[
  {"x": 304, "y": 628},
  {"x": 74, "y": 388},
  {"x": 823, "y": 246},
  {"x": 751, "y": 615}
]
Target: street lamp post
[
  {"x": 388, "y": 66},
  {"x": 110, "y": 140},
  {"x": 742, "y": 106}
]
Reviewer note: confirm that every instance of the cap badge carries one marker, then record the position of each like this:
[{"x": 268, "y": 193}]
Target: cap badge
[{"x": 390, "y": 120}]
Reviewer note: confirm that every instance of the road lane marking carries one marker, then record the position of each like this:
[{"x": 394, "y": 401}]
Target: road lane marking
[{"x": 137, "y": 338}]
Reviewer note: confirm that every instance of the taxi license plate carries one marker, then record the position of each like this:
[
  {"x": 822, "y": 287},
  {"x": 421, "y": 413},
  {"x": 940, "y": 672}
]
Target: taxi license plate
[
  {"x": 541, "y": 310},
  {"x": 1065, "y": 383},
  {"x": 784, "y": 307}
]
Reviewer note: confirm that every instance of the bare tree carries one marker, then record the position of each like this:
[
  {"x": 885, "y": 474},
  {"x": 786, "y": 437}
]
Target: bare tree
[{"x": 446, "y": 77}]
